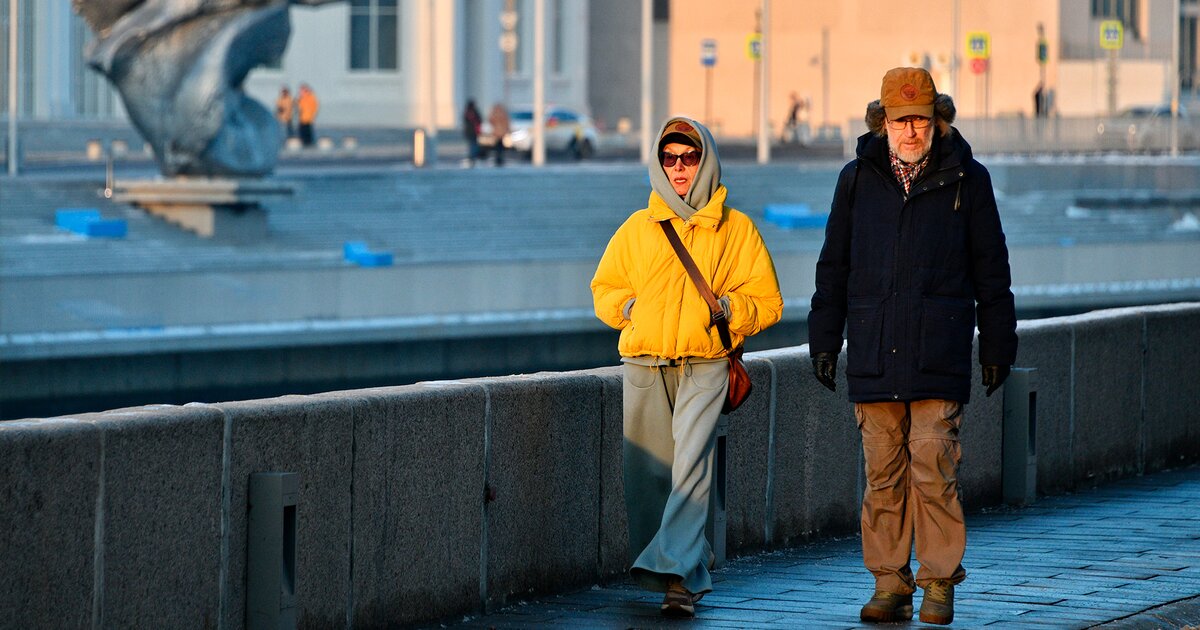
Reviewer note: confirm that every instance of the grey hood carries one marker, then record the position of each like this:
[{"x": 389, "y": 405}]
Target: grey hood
[{"x": 708, "y": 175}]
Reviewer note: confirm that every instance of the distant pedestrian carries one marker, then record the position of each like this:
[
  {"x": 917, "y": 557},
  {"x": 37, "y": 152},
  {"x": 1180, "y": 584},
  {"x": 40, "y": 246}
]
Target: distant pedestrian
[
  {"x": 795, "y": 129},
  {"x": 307, "y": 107},
  {"x": 1039, "y": 101},
  {"x": 285, "y": 107},
  {"x": 498, "y": 119},
  {"x": 674, "y": 345},
  {"x": 914, "y": 257},
  {"x": 472, "y": 124}
]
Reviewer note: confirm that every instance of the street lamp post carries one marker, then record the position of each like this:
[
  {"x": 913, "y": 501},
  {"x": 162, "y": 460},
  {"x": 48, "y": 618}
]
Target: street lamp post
[
  {"x": 764, "y": 139},
  {"x": 539, "y": 82},
  {"x": 1174, "y": 75},
  {"x": 647, "y": 76},
  {"x": 12, "y": 86}
]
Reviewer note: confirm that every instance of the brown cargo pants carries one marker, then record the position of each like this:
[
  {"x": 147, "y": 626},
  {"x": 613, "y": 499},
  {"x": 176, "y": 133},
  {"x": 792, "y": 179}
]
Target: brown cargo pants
[{"x": 912, "y": 454}]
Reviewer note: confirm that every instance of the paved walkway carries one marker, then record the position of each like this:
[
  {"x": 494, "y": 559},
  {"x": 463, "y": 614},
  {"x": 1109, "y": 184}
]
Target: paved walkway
[{"x": 1127, "y": 553}]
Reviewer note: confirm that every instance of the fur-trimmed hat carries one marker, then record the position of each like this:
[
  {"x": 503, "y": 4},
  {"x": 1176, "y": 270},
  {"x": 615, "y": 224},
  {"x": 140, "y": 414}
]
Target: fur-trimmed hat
[{"x": 907, "y": 92}]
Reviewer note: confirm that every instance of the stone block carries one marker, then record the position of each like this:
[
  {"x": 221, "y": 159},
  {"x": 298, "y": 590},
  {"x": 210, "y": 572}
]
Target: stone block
[
  {"x": 543, "y": 474},
  {"x": 51, "y": 473},
  {"x": 747, "y": 448},
  {"x": 311, "y": 436},
  {"x": 1047, "y": 345},
  {"x": 614, "y": 525},
  {"x": 418, "y": 502},
  {"x": 818, "y": 453},
  {"x": 1172, "y": 421},
  {"x": 981, "y": 437},
  {"x": 162, "y": 529},
  {"x": 1108, "y": 395}
]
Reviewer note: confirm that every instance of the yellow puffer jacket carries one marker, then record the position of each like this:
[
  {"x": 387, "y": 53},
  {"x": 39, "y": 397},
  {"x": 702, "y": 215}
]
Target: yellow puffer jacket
[{"x": 669, "y": 319}]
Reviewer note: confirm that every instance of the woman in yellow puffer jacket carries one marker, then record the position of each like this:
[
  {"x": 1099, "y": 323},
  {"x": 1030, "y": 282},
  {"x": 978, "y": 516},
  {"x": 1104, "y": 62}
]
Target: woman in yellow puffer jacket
[{"x": 675, "y": 371}]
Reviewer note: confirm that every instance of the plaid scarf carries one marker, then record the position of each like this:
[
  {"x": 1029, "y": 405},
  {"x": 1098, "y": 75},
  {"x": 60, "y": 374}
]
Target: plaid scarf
[{"x": 907, "y": 173}]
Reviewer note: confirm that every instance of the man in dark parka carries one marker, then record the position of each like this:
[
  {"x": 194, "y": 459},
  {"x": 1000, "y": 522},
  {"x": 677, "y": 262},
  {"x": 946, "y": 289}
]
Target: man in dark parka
[{"x": 914, "y": 258}]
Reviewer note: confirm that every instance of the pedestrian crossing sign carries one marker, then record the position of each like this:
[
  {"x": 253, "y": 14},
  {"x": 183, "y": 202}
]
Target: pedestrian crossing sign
[
  {"x": 979, "y": 45},
  {"x": 1112, "y": 34}
]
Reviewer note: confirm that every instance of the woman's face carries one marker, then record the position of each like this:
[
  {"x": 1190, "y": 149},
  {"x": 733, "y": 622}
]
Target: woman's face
[{"x": 680, "y": 174}]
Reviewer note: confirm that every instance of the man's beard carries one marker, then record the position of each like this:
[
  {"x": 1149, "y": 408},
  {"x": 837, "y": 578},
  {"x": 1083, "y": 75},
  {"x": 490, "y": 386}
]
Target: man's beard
[{"x": 910, "y": 156}]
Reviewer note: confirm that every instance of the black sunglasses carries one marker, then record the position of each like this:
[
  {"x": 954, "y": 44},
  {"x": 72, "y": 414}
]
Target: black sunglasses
[{"x": 691, "y": 158}]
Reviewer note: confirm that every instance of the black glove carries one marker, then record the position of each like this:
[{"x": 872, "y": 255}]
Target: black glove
[
  {"x": 993, "y": 377},
  {"x": 825, "y": 369}
]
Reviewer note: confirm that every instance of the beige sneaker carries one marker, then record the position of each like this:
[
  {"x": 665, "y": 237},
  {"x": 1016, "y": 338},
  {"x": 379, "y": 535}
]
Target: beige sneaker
[
  {"x": 886, "y": 607},
  {"x": 678, "y": 602},
  {"x": 937, "y": 606}
]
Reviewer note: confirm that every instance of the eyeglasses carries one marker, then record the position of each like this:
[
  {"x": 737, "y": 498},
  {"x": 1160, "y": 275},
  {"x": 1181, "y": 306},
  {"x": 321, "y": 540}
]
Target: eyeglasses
[
  {"x": 917, "y": 122},
  {"x": 691, "y": 158}
]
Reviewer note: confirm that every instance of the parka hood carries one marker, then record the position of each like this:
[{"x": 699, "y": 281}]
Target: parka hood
[{"x": 708, "y": 175}]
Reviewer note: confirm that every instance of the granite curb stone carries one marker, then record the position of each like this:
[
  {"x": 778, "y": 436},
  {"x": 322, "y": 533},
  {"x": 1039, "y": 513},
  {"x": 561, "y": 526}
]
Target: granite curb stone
[
  {"x": 313, "y": 437},
  {"x": 418, "y": 469}
]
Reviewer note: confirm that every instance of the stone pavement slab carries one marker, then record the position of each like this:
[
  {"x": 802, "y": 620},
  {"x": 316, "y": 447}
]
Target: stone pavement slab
[{"x": 1125, "y": 556}]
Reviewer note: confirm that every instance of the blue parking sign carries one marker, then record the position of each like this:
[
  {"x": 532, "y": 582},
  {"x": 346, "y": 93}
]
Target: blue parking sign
[{"x": 708, "y": 53}]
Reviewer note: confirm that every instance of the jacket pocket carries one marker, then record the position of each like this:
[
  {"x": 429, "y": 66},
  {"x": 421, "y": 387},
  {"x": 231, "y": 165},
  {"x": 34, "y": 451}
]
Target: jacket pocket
[
  {"x": 864, "y": 337},
  {"x": 946, "y": 330}
]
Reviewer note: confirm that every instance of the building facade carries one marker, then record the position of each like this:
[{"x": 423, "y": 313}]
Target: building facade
[
  {"x": 384, "y": 63},
  {"x": 833, "y": 54},
  {"x": 405, "y": 63}
]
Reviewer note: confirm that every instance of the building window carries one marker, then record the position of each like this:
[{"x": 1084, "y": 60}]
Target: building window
[
  {"x": 1124, "y": 10},
  {"x": 555, "y": 26},
  {"x": 374, "y": 35},
  {"x": 1188, "y": 76},
  {"x": 556, "y": 34},
  {"x": 524, "y": 56}
]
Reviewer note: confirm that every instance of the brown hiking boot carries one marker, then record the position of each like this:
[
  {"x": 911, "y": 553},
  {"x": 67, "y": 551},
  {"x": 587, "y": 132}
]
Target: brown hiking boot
[
  {"x": 886, "y": 607},
  {"x": 678, "y": 602},
  {"x": 937, "y": 606}
]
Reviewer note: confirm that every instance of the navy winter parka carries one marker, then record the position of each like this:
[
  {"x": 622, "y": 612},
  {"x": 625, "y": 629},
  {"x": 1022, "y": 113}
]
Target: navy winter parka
[{"x": 908, "y": 276}]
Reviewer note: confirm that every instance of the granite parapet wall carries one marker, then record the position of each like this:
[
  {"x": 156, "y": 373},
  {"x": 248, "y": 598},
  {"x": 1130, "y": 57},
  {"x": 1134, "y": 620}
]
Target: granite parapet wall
[{"x": 439, "y": 499}]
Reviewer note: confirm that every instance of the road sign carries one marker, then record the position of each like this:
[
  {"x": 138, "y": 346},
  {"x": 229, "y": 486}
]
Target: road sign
[
  {"x": 1112, "y": 34},
  {"x": 979, "y": 66},
  {"x": 754, "y": 46},
  {"x": 708, "y": 53},
  {"x": 979, "y": 45}
]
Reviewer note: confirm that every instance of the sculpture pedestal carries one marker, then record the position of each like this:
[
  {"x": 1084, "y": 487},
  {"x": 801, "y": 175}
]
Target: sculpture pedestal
[{"x": 225, "y": 209}]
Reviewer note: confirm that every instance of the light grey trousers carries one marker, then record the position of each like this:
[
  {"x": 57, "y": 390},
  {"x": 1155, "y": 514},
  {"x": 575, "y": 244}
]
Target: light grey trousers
[{"x": 671, "y": 415}]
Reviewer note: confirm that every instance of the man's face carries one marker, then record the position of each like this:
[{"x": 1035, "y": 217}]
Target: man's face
[
  {"x": 680, "y": 173},
  {"x": 910, "y": 137}
]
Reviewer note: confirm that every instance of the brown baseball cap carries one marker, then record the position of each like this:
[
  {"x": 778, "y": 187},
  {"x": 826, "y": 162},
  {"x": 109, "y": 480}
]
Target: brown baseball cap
[
  {"x": 907, "y": 92},
  {"x": 690, "y": 135}
]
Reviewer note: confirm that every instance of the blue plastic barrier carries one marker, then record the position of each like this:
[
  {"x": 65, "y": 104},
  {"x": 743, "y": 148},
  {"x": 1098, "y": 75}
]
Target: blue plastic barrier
[
  {"x": 88, "y": 222},
  {"x": 358, "y": 253},
  {"x": 794, "y": 215}
]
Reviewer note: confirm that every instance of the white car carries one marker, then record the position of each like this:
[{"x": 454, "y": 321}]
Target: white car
[{"x": 567, "y": 131}]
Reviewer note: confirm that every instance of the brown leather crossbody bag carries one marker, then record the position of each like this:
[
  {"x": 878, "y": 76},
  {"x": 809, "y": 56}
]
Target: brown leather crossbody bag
[{"x": 739, "y": 378}]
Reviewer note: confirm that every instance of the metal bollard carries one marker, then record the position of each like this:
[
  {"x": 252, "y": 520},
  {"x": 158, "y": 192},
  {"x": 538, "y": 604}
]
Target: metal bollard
[
  {"x": 271, "y": 551},
  {"x": 717, "y": 519},
  {"x": 1019, "y": 446},
  {"x": 424, "y": 148}
]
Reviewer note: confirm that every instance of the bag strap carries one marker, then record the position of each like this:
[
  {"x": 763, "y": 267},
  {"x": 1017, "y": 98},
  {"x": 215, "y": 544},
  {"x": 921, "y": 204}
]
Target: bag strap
[{"x": 718, "y": 313}]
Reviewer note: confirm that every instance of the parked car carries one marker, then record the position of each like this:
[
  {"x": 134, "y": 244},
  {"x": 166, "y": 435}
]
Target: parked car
[
  {"x": 567, "y": 131},
  {"x": 1147, "y": 128}
]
